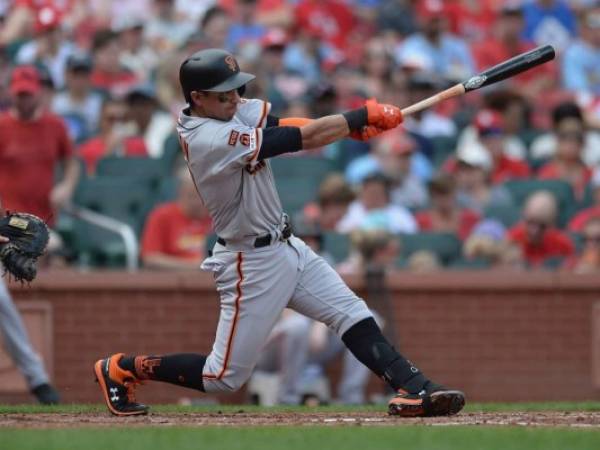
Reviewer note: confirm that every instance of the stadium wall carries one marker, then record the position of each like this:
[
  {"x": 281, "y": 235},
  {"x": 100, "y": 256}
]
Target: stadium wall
[{"x": 498, "y": 336}]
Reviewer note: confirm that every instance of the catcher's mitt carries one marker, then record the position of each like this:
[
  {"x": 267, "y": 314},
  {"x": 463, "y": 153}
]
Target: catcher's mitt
[{"x": 28, "y": 237}]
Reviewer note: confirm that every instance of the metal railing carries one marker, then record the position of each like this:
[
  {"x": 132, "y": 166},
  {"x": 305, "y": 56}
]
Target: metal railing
[{"x": 124, "y": 230}]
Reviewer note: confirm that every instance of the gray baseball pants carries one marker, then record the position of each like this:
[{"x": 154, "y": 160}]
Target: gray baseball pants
[
  {"x": 17, "y": 343},
  {"x": 255, "y": 285}
]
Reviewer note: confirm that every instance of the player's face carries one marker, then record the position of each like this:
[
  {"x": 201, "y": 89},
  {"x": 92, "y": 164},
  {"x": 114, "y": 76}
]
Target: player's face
[
  {"x": 218, "y": 105},
  {"x": 571, "y": 137}
]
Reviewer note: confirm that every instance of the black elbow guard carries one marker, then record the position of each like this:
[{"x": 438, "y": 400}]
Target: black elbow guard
[{"x": 279, "y": 140}]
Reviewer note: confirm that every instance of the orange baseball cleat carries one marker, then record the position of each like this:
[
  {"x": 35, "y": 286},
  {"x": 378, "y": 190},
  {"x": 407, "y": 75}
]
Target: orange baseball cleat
[
  {"x": 437, "y": 401},
  {"x": 118, "y": 387}
]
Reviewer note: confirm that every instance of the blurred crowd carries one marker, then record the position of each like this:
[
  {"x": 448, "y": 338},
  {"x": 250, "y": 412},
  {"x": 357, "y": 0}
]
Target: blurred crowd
[{"x": 503, "y": 177}]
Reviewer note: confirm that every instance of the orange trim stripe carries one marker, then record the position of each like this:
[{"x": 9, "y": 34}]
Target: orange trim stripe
[
  {"x": 262, "y": 115},
  {"x": 297, "y": 122},
  {"x": 238, "y": 300}
]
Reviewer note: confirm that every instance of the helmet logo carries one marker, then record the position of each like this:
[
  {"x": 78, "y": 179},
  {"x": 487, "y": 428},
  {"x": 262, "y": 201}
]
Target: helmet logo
[{"x": 231, "y": 63}]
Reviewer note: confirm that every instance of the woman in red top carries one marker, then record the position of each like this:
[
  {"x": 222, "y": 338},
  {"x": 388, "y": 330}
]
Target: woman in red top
[
  {"x": 115, "y": 137},
  {"x": 444, "y": 214},
  {"x": 567, "y": 164}
]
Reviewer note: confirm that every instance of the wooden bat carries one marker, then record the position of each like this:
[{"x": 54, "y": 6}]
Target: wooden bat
[{"x": 502, "y": 71}]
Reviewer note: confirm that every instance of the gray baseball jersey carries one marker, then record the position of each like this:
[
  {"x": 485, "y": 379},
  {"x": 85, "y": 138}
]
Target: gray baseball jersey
[
  {"x": 254, "y": 284},
  {"x": 238, "y": 191}
]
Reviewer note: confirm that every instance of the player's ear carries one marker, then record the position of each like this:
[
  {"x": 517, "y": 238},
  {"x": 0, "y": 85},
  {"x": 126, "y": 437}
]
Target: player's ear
[{"x": 197, "y": 97}]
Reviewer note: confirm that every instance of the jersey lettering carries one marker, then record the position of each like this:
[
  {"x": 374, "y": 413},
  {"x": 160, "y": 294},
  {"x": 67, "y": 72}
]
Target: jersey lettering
[
  {"x": 233, "y": 137},
  {"x": 245, "y": 139}
]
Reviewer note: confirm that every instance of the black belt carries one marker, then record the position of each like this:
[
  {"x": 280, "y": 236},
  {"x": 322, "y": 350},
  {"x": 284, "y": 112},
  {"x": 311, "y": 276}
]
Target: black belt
[
  {"x": 263, "y": 241},
  {"x": 259, "y": 242}
]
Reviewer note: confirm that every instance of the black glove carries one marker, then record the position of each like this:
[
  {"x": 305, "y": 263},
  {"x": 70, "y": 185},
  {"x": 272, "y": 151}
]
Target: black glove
[{"x": 28, "y": 236}]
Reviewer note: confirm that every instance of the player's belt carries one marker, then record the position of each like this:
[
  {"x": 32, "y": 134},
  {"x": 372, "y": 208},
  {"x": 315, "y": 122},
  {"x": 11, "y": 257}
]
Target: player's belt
[
  {"x": 263, "y": 241},
  {"x": 259, "y": 242}
]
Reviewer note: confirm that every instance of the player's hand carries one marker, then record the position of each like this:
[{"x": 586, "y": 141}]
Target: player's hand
[
  {"x": 383, "y": 116},
  {"x": 366, "y": 133},
  {"x": 60, "y": 195},
  {"x": 3, "y": 239}
]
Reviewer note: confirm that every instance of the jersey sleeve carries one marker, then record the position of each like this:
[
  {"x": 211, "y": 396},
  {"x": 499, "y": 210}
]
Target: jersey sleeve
[
  {"x": 235, "y": 146},
  {"x": 254, "y": 112}
]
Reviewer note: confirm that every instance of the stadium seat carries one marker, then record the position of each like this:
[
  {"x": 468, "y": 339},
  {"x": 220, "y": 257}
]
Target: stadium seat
[
  {"x": 508, "y": 215},
  {"x": 313, "y": 167},
  {"x": 588, "y": 197},
  {"x": 337, "y": 245},
  {"x": 295, "y": 193},
  {"x": 127, "y": 199},
  {"x": 443, "y": 147},
  {"x": 149, "y": 168},
  {"x": 578, "y": 240},
  {"x": 521, "y": 189},
  {"x": 171, "y": 151},
  {"x": 167, "y": 191},
  {"x": 446, "y": 246}
]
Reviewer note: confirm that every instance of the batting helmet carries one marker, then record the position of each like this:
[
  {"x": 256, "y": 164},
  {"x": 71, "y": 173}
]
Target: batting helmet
[{"x": 212, "y": 70}]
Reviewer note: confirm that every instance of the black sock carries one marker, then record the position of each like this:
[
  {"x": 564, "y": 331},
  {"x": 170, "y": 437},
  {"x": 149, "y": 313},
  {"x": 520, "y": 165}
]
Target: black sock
[
  {"x": 182, "y": 369},
  {"x": 371, "y": 348}
]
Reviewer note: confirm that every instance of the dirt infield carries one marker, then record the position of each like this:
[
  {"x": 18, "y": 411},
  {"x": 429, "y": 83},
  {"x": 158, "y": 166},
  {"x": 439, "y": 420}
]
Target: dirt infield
[{"x": 241, "y": 418}]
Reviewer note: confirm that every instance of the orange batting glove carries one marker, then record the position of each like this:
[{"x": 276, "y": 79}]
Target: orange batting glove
[
  {"x": 383, "y": 116},
  {"x": 367, "y": 132}
]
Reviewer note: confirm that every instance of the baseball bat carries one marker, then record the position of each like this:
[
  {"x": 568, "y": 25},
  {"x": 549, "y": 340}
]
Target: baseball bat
[{"x": 502, "y": 71}]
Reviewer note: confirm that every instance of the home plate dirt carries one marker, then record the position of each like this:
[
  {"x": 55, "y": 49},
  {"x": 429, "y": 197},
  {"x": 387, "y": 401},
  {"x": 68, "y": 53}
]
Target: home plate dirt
[{"x": 241, "y": 418}]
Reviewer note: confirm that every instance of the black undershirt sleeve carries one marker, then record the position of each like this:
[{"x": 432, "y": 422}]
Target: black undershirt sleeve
[
  {"x": 278, "y": 140},
  {"x": 272, "y": 121}
]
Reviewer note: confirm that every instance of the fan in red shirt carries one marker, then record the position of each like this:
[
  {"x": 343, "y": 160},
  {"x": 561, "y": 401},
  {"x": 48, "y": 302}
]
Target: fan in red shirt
[
  {"x": 115, "y": 137},
  {"x": 18, "y": 24},
  {"x": 175, "y": 233},
  {"x": 507, "y": 42},
  {"x": 537, "y": 236},
  {"x": 567, "y": 163},
  {"x": 32, "y": 142},
  {"x": 332, "y": 20},
  {"x": 471, "y": 19},
  {"x": 444, "y": 214},
  {"x": 490, "y": 138}
]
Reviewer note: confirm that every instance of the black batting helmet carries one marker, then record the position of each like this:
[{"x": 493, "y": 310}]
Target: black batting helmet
[{"x": 212, "y": 70}]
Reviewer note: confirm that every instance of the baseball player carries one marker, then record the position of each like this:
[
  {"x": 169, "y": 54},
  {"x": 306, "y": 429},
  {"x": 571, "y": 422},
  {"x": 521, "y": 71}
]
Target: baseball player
[
  {"x": 259, "y": 266},
  {"x": 17, "y": 344}
]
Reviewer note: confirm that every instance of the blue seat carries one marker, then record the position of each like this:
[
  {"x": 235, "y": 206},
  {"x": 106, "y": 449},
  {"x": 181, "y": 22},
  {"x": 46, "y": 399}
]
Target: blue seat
[{"x": 446, "y": 246}]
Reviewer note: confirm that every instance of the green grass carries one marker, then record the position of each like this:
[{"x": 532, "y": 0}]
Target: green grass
[
  {"x": 474, "y": 407},
  {"x": 292, "y": 438},
  {"x": 338, "y": 437}
]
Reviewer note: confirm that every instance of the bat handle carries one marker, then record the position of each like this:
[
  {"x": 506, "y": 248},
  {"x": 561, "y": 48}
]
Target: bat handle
[{"x": 454, "y": 91}]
